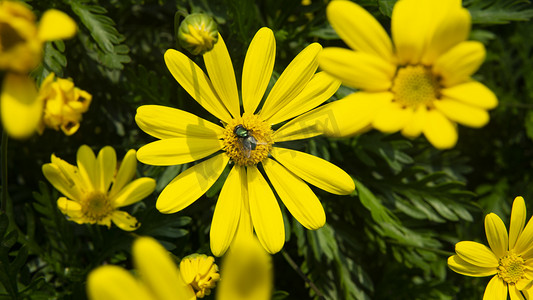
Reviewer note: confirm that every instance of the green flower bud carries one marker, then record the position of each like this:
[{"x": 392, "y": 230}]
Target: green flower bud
[{"x": 198, "y": 33}]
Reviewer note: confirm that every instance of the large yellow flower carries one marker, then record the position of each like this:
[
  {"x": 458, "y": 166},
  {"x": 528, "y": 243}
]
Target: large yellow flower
[
  {"x": 417, "y": 83},
  {"x": 160, "y": 279},
  {"x": 246, "y": 201},
  {"x": 509, "y": 258},
  {"x": 94, "y": 190},
  {"x": 21, "y": 50}
]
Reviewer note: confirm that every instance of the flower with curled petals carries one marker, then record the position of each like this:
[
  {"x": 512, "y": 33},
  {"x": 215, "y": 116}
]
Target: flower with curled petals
[
  {"x": 246, "y": 201},
  {"x": 417, "y": 83},
  {"x": 509, "y": 258},
  {"x": 95, "y": 189}
]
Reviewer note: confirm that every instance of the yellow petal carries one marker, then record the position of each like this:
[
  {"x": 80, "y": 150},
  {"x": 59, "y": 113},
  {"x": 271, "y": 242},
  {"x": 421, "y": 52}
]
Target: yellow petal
[
  {"x": 315, "y": 171},
  {"x": 56, "y": 25},
  {"x": 158, "y": 271},
  {"x": 299, "y": 199},
  {"x": 114, "y": 283},
  {"x": 166, "y": 122},
  {"x": 220, "y": 70},
  {"x": 87, "y": 166},
  {"x": 292, "y": 80},
  {"x": 319, "y": 89},
  {"x": 440, "y": 131},
  {"x": 178, "y": 150},
  {"x": 524, "y": 243},
  {"x": 459, "y": 63},
  {"x": 126, "y": 172},
  {"x": 265, "y": 212},
  {"x": 496, "y": 234},
  {"x": 106, "y": 166},
  {"x": 61, "y": 181},
  {"x": 196, "y": 83},
  {"x": 125, "y": 221},
  {"x": 514, "y": 292},
  {"x": 245, "y": 229},
  {"x": 135, "y": 191},
  {"x": 476, "y": 254},
  {"x": 357, "y": 69},
  {"x": 496, "y": 289},
  {"x": 413, "y": 128},
  {"x": 70, "y": 208},
  {"x": 518, "y": 220},
  {"x": 20, "y": 107},
  {"x": 359, "y": 29},
  {"x": 228, "y": 211},
  {"x": 392, "y": 117},
  {"x": 462, "y": 267},
  {"x": 472, "y": 93},
  {"x": 462, "y": 113},
  {"x": 454, "y": 28},
  {"x": 191, "y": 184},
  {"x": 346, "y": 117},
  {"x": 247, "y": 273},
  {"x": 257, "y": 68}
]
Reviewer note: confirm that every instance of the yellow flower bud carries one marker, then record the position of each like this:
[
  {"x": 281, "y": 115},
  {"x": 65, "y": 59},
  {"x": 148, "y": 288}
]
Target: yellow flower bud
[
  {"x": 63, "y": 104},
  {"x": 198, "y": 33},
  {"x": 200, "y": 272}
]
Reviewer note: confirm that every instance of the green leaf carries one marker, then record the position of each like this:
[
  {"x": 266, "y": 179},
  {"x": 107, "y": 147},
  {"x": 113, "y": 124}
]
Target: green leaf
[{"x": 499, "y": 11}]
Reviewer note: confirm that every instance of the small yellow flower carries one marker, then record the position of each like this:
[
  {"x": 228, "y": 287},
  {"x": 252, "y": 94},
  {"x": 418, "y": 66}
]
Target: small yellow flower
[
  {"x": 246, "y": 202},
  {"x": 21, "y": 50},
  {"x": 63, "y": 104},
  {"x": 418, "y": 82},
  {"x": 247, "y": 273},
  {"x": 509, "y": 258},
  {"x": 198, "y": 33},
  {"x": 200, "y": 272},
  {"x": 94, "y": 190},
  {"x": 159, "y": 278}
]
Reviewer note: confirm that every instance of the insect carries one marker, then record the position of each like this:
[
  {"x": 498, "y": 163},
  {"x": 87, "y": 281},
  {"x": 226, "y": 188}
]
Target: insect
[{"x": 246, "y": 141}]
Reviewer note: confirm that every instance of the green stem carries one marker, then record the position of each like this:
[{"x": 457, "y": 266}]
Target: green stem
[{"x": 301, "y": 273}]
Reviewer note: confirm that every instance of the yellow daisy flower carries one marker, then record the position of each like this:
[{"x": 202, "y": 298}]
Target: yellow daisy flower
[
  {"x": 63, "y": 104},
  {"x": 509, "y": 258},
  {"x": 159, "y": 278},
  {"x": 417, "y": 83},
  {"x": 246, "y": 201},
  {"x": 21, "y": 50},
  {"x": 94, "y": 190},
  {"x": 200, "y": 272}
]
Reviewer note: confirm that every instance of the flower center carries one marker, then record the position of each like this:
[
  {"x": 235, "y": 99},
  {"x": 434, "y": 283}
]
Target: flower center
[
  {"x": 95, "y": 206},
  {"x": 247, "y": 140},
  {"x": 9, "y": 37},
  {"x": 511, "y": 268},
  {"x": 415, "y": 85}
]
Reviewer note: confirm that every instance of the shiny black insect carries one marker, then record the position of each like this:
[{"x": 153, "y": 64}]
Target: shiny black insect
[{"x": 246, "y": 141}]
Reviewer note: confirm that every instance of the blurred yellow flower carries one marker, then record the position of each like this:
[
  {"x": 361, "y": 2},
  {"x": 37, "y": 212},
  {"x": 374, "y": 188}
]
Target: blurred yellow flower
[
  {"x": 21, "y": 49},
  {"x": 94, "y": 190},
  {"x": 198, "y": 33},
  {"x": 247, "y": 273},
  {"x": 63, "y": 104},
  {"x": 509, "y": 258},
  {"x": 420, "y": 82},
  {"x": 246, "y": 201},
  {"x": 200, "y": 272},
  {"x": 159, "y": 278}
]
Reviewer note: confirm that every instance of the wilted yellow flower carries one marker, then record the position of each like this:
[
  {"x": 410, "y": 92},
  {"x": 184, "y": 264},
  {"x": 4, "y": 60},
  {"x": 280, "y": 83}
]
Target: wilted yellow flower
[
  {"x": 63, "y": 104},
  {"x": 200, "y": 272},
  {"x": 21, "y": 50},
  {"x": 198, "y": 33},
  {"x": 418, "y": 82},
  {"x": 159, "y": 278},
  {"x": 509, "y": 258},
  {"x": 247, "y": 272},
  {"x": 247, "y": 202},
  {"x": 88, "y": 196}
]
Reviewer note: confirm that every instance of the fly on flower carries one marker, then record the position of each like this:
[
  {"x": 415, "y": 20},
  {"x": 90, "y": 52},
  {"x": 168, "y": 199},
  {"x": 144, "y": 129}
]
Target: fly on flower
[{"x": 246, "y": 202}]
